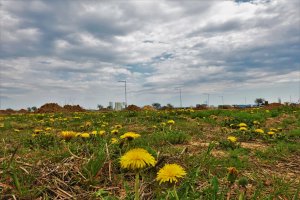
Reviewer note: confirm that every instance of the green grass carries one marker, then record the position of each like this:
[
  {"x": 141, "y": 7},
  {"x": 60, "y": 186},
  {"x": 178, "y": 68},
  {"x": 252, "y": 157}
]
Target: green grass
[{"x": 43, "y": 165}]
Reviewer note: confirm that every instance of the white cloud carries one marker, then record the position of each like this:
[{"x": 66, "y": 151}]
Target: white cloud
[{"x": 78, "y": 48}]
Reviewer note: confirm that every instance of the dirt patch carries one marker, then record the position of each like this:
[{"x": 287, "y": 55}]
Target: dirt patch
[
  {"x": 274, "y": 122},
  {"x": 136, "y": 128},
  {"x": 287, "y": 169},
  {"x": 197, "y": 146},
  {"x": 218, "y": 153},
  {"x": 253, "y": 146},
  {"x": 198, "y": 143}
]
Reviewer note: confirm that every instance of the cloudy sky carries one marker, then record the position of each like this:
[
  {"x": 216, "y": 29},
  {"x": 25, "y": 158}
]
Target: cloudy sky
[{"x": 75, "y": 52}]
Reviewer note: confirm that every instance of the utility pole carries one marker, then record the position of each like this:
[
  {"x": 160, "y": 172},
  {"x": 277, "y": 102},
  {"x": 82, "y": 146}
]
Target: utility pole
[
  {"x": 125, "y": 92},
  {"x": 222, "y": 100},
  {"x": 180, "y": 98},
  {"x": 207, "y": 99}
]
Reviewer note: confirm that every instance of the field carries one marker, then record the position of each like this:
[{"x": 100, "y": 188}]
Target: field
[{"x": 77, "y": 155}]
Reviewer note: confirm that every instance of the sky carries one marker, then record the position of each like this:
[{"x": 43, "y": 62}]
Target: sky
[{"x": 75, "y": 52}]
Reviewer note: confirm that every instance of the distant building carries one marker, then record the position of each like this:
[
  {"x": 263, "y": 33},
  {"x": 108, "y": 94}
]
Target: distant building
[
  {"x": 111, "y": 105},
  {"x": 242, "y": 106},
  {"x": 118, "y": 105}
]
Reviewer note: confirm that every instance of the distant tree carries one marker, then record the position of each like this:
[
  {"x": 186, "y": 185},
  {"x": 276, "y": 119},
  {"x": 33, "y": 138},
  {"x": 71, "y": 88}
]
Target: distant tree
[
  {"x": 156, "y": 105},
  {"x": 109, "y": 107},
  {"x": 29, "y": 109},
  {"x": 33, "y": 108},
  {"x": 259, "y": 101},
  {"x": 170, "y": 105},
  {"x": 99, "y": 107}
]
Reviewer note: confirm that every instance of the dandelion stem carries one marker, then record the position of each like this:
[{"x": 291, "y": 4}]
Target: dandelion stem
[
  {"x": 175, "y": 193},
  {"x": 137, "y": 186}
]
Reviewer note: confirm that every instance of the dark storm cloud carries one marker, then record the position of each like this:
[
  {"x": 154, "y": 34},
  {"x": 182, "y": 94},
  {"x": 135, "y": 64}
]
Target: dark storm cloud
[{"x": 70, "y": 46}]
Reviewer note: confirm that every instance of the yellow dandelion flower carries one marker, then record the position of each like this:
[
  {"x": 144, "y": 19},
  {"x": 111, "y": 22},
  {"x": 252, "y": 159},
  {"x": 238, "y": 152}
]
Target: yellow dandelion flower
[
  {"x": 243, "y": 129},
  {"x": 48, "y": 129},
  {"x": 171, "y": 122},
  {"x": 256, "y": 122},
  {"x": 273, "y": 129},
  {"x": 94, "y": 132},
  {"x": 154, "y": 126},
  {"x": 259, "y": 131},
  {"x": 114, "y": 131},
  {"x": 77, "y": 134},
  {"x": 130, "y": 135},
  {"x": 102, "y": 132},
  {"x": 242, "y": 125},
  {"x": 37, "y": 131},
  {"x": 232, "y": 139},
  {"x": 68, "y": 134},
  {"x": 84, "y": 135},
  {"x": 88, "y": 123},
  {"x": 214, "y": 117},
  {"x": 271, "y": 132},
  {"x": 137, "y": 159},
  {"x": 16, "y": 130},
  {"x": 118, "y": 126},
  {"x": 1, "y": 125},
  {"x": 163, "y": 124},
  {"x": 170, "y": 173},
  {"x": 114, "y": 140},
  {"x": 267, "y": 111}
]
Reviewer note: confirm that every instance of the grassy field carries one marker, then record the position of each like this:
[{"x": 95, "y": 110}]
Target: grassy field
[{"x": 40, "y": 160}]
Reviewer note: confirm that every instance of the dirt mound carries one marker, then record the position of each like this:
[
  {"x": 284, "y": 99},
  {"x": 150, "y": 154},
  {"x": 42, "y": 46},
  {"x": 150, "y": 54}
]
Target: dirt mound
[
  {"x": 273, "y": 105},
  {"x": 23, "y": 111},
  {"x": 7, "y": 111},
  {"x": 49, "y": 108},
  {"x": 201, "y": 107},
  {"x": 75, "y": 108},
  {"x": 133, "y": 108},
  {"x": 149, "y": 108}
]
